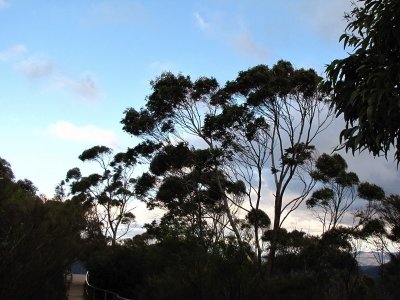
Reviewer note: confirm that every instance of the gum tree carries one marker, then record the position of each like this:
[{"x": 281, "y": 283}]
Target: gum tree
[
  {"x": 266, "y": 119},
  {"x": 110, "y": 192},
  {"x": 337, "y": 191},
  {"x": 175, "y": 113},
  {"x": 290, "y": 103}
]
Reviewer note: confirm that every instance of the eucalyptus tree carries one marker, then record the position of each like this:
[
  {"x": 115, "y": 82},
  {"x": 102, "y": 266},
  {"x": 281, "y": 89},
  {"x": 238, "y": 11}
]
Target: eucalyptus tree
[
  {"x": 174, "y": 115},
  {"x": 291, "y": 106},
  {"x": 244, "y": 138},
  {"x": 337, "y": 193},
  {"x": 109, "y": 193},
  {"x": 186, "y": 187},
  {"x": 265, "y": 119}
]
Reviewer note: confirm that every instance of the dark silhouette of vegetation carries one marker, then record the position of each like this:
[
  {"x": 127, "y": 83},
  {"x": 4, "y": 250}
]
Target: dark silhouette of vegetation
[
  {"x": 210, "y": 152},
  {"x": 265, "y": 120},
  {"x": 365, "y": 85},
  {"x": 109, "y": 193},
  {"x": 39, "y": 239}
]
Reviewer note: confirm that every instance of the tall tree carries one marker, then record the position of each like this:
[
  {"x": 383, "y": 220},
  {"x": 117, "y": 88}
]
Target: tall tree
[
  {"x": 175, "y": 113},
  {"x": 291, "y": 105},
  {"x": 337, "y": 193},
  {"x": 366, "y": 84},
  {"x": 110, "y": 192},
  {"x": 265, "y": 118}
]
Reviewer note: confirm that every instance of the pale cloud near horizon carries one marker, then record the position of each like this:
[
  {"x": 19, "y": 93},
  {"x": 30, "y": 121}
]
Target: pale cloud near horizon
[
  {"x": 236, "y": 35},
  {"x": 12, "y": 53},
  {"x": 69, "y": 132}
]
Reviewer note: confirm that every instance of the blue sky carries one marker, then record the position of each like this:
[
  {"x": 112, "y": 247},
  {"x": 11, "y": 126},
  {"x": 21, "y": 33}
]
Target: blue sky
[{"x": 68, "y": 69}]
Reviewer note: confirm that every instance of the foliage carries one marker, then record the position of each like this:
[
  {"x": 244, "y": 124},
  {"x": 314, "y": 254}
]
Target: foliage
[
  {"x": 366, "y": 84},
  {"x": 188, "y": 180},
  {"x": 109, "y": 193},
  {"x": 162, "y": 265},
  {"x": 265, "y": 119},
  {"x": 167, "y": 263},
  {"x": 336, "y": 195},
  {"x": 391, "y": 275},
  {"x": 39, "y": 240},
  {"x": 290, "y": 105}
]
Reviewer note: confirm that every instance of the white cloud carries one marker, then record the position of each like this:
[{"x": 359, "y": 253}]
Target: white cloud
[
  {"x": 12, "y": 53},
  {"x": 3, "y": 4},
  {"x": 67, "y": 131},
  {"x": 35, "y": 68}
]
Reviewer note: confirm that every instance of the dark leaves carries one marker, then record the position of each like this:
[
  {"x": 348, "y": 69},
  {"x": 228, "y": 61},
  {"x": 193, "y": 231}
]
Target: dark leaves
[
  {"x": 137, "y": 123},
  {"x": 365, "y": 85},
  {"x": 320, "y": 197},
  {"x": 5, "y": 170},
  {"x": 259, "y": 217},
  {"x": 94, "y": 153},
  {"x": 370, "y": 191}
]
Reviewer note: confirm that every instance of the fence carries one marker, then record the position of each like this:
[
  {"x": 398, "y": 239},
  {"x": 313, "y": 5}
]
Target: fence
[{"x": 95, "y": 293}]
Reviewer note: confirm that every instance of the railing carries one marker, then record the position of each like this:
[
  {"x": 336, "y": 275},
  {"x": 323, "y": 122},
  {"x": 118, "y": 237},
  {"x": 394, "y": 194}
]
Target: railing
[
  {"x": 67, "y": 282},
  {"x": 95, "y": 293}
]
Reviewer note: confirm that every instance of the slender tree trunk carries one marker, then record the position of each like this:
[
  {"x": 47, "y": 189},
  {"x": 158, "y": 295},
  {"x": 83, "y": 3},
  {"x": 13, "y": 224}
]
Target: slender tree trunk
[
  {"x": 274, "y": 238},
  {"x": 114, "y": 238}
]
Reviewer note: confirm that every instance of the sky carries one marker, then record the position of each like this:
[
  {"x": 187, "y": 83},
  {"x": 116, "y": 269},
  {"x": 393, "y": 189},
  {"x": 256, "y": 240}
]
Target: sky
[{"x": 69, "y": 69}]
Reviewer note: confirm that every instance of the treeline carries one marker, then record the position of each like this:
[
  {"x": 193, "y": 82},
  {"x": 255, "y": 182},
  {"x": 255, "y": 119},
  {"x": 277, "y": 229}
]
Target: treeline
[
  {"x": 39, "y": 239},
  {"x": 174, "y": 259},
  {"x": 215, "y": 157}
]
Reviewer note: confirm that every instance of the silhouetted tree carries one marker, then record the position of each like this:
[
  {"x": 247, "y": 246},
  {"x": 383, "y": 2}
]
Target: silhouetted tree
[
  {"x": 291, "y": 105},
  {"x": 110, "y": 192},
  {"x": 365, "y": 85},
  {"x": 338, "y": 191}
]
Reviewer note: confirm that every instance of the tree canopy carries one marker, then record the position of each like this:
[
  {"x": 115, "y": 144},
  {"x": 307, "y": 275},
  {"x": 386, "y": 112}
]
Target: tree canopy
[{"x": 366, "y": 85}]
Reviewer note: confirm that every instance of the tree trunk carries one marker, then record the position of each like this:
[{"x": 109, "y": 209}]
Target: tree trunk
[{"x": 275, "y": 233}]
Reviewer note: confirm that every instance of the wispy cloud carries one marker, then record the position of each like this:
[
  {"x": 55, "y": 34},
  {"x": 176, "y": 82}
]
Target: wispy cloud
[
  {"x": 3, "y": 4},
  {"x": 38, "y": 67},
  {"x": 232, "y": 32},
  {"x": 201, "y": 22},
  {"x": 91, "y": 134},
  {"x": 35, "y": 68},
  {"x": 86, "y": 88},
  {"x": 13, "y": 52}
]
